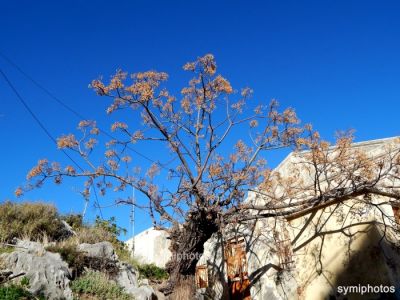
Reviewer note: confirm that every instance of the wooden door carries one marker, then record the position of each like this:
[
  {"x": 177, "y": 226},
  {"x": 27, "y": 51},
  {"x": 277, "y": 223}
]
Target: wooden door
[
  {"x": 238, "y": 280},
  {"x": 201, "y": 277}
]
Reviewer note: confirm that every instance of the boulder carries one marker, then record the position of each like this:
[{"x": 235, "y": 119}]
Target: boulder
[
  {"x": 99, "y": 250},
  {"x": 48, "y": 274},
  {"x": 127, "y": 278},
  {"x": 67, "y": 230},
  {"x": 31, "y": 247},
  {"x": 144, "y": 292}
]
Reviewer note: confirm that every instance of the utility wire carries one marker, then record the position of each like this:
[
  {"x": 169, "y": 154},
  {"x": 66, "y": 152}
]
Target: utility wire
[
  {"x": 37, "y": 120},
  {"x": 73, "y": 111},
  {"x": 41, "y": 125},
  {"x": 97, "y": 201},
  {"x": 37, "y": 84}
]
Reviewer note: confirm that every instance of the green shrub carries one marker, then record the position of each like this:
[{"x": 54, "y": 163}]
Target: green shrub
[
  {"x": 6, "y": 249},
  {"x": 16, "y": 292},
  {"x": 98, "y": 285},
  {"x": 74, "y": 258},
  {"x": 125, "y": 255},
  {"x": 109, "y": 225},
  {"x": 12, "y": 292},
  {"x": 152, "y": 272},
  {"x": 78, "y": 261},
  {"x": 103, "y": 230},
  {"x": 149, "y": 271},
  {"x": 32, "y": 220},
  {"x": 24, "y": 281},
  {"x": 73, "y": 220}
]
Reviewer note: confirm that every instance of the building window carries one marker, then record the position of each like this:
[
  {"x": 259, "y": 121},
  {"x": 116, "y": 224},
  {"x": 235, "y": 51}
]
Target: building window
[
  {"x": 238, "y": 280},
  {"x": 396, "y": 213},
  {"x": 201, "y": 277}
]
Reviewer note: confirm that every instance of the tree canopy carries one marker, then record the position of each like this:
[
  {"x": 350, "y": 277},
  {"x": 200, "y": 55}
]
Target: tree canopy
[{"x": 217, "y": 139}]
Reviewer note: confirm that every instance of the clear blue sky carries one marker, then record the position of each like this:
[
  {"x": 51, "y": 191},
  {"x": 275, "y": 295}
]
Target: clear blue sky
[{"x": 336, "y": 62}]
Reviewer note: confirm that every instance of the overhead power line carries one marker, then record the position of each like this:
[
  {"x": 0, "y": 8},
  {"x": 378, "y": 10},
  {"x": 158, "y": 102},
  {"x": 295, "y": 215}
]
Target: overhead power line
[
  {"x": 73, "y": 111},
  {"x": 43, "y": 127},
  {"x": 37, "y": 84},
  {"x": 37, "y": 120}
]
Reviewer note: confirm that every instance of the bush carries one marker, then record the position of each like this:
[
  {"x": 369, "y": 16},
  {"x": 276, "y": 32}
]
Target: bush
[
  {"x": 152, "y": 272},
  {"x": 6, "y": 249},
  {"x": 24, "y": 281},
  {"x": 32, "y": 220},
  {"x": 125, "y": 255},
  {"x": 149, "y": 271},
  {"x": 109, "y": 225},
  {"x": 78, "y": 261},
  {"x": 73, "y": 220},
  {"x": 93, "y": 235},
  {"x": 74, "y": 258},
  {"x": 97, "y": 284},
  {"x": 12, "y": 292},
  {"x": 16, "y": 292},
  {"x": 103, "y": 230}
]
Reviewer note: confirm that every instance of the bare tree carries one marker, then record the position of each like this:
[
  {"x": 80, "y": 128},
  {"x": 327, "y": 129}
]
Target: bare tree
[{"x": 209, "y": 169}]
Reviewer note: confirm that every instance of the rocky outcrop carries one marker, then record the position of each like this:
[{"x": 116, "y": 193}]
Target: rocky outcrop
[
  {"x": 127, "y": 276},
  {"x": 128, "y": 279},
  {"x": 67, "y": 230},
  {"x": 48, "y": 274},
  {"x": 103, "y": 250}
]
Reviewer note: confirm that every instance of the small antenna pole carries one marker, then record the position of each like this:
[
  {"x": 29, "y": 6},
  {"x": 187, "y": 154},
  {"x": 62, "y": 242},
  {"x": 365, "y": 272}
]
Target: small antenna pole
[{"x": 133, "y": 221}]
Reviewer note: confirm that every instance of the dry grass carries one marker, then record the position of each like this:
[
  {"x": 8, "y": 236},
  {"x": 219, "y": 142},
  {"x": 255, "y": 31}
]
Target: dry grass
[
  {"x": 28, "y": 220},
  {"x": 92, "y": 235},
  {"x": 184, "y": 290}
]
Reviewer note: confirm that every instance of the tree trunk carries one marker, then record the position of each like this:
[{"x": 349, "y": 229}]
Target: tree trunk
[{"x": 187, "y": 243}]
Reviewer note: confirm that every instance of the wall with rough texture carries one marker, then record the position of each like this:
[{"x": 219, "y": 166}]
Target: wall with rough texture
[
  {"x": 268, "y": 281},
  {"x": 152, "y": 246},
  {"x": 341, "y": 245},
  {"x": 339, "y": 253}
]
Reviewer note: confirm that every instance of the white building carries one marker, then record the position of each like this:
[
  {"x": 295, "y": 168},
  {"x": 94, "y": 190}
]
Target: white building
[
  {"x": 314, "y": 256},
  {"x": 151, "y": 247}
]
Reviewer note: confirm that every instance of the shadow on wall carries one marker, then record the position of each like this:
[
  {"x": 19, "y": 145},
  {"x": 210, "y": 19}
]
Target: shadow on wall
[
  {"x": 225, "y": 272},
  {"x": 216, "y": 274},
  {"x": 371, "y": 265}
]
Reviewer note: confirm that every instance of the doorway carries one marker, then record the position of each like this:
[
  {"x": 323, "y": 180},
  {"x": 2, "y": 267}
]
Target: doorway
[{"x": 238, "y": 280}]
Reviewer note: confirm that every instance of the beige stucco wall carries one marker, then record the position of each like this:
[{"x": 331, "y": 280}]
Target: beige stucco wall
[
  {"x": 340, "y": 248},
  {"x": 339, "y": 245},
  {"x": 334, "y": 257},
  {"x": 151, "y": 247}
]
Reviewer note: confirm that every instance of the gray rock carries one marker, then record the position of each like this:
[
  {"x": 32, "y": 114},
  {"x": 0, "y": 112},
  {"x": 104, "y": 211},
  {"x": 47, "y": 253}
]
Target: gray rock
[
  {"x": 144, "y": 292},
  {"x": 159, "y": 295},
  {"x": 67, "y": 229},
  {"x": 48, "y": 274},
  {"x": 127, "y": 278},
  {"x": 101, "y": 250},
  {"x": 29, "y": 246}
]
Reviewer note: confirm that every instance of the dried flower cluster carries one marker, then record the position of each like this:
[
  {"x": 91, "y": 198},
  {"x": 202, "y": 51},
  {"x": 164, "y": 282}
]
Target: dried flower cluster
[{"x": 207, "y": 182}]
